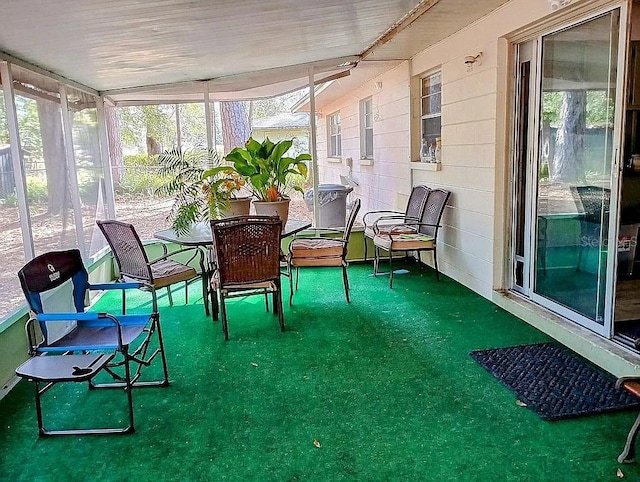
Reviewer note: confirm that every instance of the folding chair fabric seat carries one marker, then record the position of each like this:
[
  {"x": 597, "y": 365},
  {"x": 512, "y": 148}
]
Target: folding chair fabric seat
[{"x": 85, "y": 337}]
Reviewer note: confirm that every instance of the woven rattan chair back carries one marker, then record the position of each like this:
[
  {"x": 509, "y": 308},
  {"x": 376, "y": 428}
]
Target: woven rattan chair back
[
  {"x": 435, "y": 203},
  {"x": 247, "y": 249},
  {"x": 127, "y": 250}
]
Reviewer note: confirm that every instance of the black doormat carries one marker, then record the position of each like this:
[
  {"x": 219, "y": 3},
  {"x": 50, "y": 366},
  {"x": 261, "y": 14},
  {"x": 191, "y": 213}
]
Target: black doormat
[{"x": 554, "y": 382}]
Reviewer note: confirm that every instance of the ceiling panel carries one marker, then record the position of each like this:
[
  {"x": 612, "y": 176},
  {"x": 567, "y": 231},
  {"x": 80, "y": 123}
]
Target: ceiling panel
[{"x": 252, "y": 47}]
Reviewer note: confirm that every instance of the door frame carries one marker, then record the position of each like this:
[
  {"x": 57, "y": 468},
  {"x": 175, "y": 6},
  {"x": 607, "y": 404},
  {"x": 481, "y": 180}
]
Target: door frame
[{"x": 531, "y": 243}]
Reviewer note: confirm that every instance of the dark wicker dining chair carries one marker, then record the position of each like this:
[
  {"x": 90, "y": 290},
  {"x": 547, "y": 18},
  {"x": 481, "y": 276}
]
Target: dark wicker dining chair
[{"x": 247, "y": 261}]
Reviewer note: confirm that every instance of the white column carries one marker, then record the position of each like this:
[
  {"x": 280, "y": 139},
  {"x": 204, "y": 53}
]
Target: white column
[
  {"x": 207, "y": 115},
  {"x": 105, "y": 154},
  {"x": 312, "y": 145},
  {"x": 67, "y": 135},
  {"x": 17, "y": 161}
]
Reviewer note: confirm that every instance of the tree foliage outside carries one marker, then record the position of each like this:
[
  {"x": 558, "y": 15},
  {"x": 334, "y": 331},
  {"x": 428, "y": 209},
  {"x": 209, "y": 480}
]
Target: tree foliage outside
[{"x": 599, "y": 108}]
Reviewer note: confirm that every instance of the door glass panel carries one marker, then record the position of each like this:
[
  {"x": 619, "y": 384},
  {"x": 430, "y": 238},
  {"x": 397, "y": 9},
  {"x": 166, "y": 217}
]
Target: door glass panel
[{"x": 574, "y": 165}]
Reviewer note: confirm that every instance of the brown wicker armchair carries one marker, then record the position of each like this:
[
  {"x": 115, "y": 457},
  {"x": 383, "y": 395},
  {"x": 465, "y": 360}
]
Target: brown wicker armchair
[
  {"x": 134, "y": 264},
  {"x": 322, "y": 252},
  {"x": 247, "y": 261}
]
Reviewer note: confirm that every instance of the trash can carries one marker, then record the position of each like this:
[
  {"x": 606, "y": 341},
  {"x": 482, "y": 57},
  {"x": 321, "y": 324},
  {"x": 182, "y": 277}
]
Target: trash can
[{"x": 333, "y": 204}]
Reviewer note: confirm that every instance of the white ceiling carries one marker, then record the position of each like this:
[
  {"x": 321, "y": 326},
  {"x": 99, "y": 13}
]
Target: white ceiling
[{"x": 125, "y": 47}]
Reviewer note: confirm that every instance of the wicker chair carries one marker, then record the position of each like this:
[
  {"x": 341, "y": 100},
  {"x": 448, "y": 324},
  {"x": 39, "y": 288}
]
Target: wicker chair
[
  {"x": 134, "y": 264},
  {"x": 322, "y": 252},
  {"x": 413, "y": 236},
  {"x": 247, "y": 261},
  {"x": 413, "y": 213}
]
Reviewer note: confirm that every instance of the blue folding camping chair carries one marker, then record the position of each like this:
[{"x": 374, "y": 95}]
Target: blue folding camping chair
[{"x": 68, "y": 344}]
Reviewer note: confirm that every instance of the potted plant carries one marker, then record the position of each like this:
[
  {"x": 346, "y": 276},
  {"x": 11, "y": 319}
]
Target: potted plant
[
  {"x": 269, "y": 173},
  {"x": 201, "y": 192}
]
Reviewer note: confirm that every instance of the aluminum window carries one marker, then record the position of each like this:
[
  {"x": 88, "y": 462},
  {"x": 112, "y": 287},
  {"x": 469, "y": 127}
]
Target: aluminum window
[
  {"x": 334, "y": 135},
  {"x": 366, "y": 128}
]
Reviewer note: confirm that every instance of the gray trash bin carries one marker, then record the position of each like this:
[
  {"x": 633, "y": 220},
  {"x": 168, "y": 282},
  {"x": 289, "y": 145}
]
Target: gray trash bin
[{"x": 333, "y": 204}]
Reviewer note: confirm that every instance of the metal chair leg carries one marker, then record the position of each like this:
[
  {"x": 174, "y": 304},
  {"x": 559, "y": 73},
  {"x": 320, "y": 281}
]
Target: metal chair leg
[
  {"x": 290, "y": 285},
  {"x": 435, "y": 264},
  {"x": 628, "y": 454},
  {"x": 390, "y": 269},
  {"x": 223, "y": 313},
  {"x": 169, "y": 295},
  {"x": 345, "y": 279}
]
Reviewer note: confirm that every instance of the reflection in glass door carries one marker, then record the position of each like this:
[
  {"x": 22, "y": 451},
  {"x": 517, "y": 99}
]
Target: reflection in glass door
[{"x": 573, "y": 169}]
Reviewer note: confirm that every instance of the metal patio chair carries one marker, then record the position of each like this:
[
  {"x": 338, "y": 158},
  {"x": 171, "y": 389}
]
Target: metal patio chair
[
  {"x": 412, "y": 236},
  {"x": 247, "y": 261},
  {"x": 162, "y": 272},
  {"x": 413, "y": 213},
  {"x": 322, "y": 252},
  {"x": 67, "y": 344}
]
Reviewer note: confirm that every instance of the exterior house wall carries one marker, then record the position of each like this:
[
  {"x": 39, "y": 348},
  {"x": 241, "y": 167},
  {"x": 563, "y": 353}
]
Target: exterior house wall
[
  {"x": 476, "y": 164},
  {"x": 385, "y": 181},
  {"x": 475, "y": 126}
]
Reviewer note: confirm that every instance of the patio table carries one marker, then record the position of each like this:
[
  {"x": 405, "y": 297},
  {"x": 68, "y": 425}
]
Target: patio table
[{"x": 200, "y": 234}]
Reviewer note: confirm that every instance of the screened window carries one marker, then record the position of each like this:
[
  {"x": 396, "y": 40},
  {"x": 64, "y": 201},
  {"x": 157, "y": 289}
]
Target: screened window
[
  {"x": 334, "y": 135},
  {"x": 431, "y": 104},
  {"x": 366, "y": 131}
]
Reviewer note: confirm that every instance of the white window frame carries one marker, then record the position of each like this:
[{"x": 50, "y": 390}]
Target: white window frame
[
  {"x": 334, "y": 135},
  {"x": 435, "y": 111},
  {"x": 366, "y": 126}
]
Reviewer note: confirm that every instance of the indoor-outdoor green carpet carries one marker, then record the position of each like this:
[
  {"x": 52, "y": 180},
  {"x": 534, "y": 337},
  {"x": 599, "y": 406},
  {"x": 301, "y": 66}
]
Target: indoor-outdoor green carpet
[{"x": 384, "y": 386}]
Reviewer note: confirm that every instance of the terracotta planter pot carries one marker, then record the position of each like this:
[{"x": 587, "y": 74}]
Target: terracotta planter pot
[
  {"x": 276, "y": 208},
  {"x": 238, "y": 207}
]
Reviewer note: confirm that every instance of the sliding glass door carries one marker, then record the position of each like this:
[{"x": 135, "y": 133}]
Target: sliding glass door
[{"x": 566, "y": 193}]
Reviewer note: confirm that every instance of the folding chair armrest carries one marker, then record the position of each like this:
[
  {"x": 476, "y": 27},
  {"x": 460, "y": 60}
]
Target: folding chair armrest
[
  {"x": 115, "y": 286},
  {"x": 364, "y": 218}
]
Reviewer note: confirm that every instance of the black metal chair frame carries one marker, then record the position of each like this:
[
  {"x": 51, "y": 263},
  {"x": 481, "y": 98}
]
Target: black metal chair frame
[
  {"x": 291, "y": 259},
  {"x": 144, "y": 270},
  {"x": 429, "y": 225},
  {"x": 413, "y": 213}
]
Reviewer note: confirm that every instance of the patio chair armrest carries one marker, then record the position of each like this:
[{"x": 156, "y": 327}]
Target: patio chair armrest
[
  {"x": 197, "y": 252},
  {"x": 620, "y": 381},
  {"x": 380, "y": 213},
  {"x": 393, "y": 228},
  {"x": 328, "y": 231}
]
